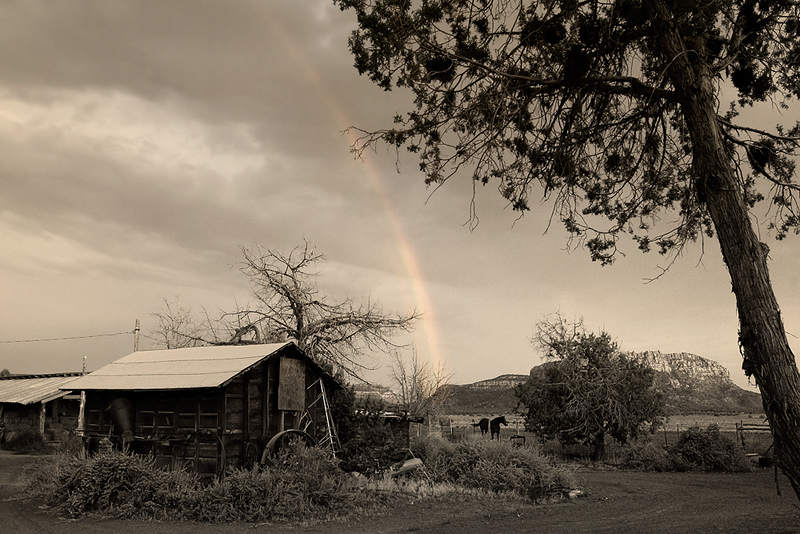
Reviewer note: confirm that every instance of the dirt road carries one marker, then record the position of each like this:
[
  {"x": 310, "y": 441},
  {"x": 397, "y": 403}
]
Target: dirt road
[{"x": 618, "y": 501}]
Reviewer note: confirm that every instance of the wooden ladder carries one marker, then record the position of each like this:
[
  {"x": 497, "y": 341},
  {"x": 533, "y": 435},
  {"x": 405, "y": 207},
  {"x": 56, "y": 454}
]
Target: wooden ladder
[{"x": 331, "y": 438}]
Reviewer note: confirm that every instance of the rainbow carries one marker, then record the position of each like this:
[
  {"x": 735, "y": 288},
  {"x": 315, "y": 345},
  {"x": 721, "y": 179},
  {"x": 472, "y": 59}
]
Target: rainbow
[{"x": 408, "y": 255}]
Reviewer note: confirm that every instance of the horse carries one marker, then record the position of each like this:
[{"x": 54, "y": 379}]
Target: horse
[
  {"x": 494, "y": 425},
  {"x": 483, "y": 424}
]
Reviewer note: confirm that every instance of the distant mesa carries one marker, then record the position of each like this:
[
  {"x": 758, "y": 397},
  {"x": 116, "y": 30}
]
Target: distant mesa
[
  {"x": 502, "y": 381},
  {"x": 375, "y": 393},
  {"x": 691, "y": 385}
]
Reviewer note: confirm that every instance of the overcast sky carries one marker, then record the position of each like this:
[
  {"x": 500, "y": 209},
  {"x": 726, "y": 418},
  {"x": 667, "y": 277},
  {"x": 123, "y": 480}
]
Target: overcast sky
[{"x": 142, "y": 144}]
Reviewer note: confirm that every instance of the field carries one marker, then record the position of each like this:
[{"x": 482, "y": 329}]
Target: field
[
  {"x": 614, "y": 500},
  {"x": 755, "y": 443},
  {"x": 726, "y": 423}
]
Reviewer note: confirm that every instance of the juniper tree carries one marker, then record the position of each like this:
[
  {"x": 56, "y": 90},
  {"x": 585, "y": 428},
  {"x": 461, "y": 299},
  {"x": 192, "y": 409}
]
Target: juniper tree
[
  {"x": 613, "y": 111},
  {"x": 587, "y": 389}
]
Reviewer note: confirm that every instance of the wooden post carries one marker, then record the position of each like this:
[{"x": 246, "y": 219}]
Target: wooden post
[
  {"x": 82, "y": 408},
  {"x": 136, "y": 337},
  {"x": 42, "y": 417}
]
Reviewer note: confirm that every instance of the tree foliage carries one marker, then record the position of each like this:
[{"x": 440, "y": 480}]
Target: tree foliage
[
  {"x": 588, "y": 390},
  {"x": 288, "y": 305},
  {"x": 626, "y": 115},
  {"x": 574, "y": 97}
]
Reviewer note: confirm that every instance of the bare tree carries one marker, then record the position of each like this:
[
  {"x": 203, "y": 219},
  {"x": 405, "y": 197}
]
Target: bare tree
[
  {"x": 422, "y": 388},
  {"x": 288, "y": 305},
  {"x": 178, "y": 327}
]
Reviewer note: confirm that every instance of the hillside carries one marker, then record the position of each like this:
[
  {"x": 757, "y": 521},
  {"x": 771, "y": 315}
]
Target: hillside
[
  {"x": 693, "y": 384},
  {"x": 487, "y": 397},
  {"x": 690, "y": 383}
]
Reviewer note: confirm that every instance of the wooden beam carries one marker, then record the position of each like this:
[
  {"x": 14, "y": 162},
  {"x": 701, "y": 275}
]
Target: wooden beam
[{"x": 42, "y": 417}]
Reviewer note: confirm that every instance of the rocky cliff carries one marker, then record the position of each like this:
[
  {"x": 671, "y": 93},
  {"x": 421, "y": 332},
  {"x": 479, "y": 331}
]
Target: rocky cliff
[
  {"x": 683, "y": 369},
  {"x": 693, "y": 384},
  {"x": 502, "y": 381},
  {"x": 690, "y": 384}
]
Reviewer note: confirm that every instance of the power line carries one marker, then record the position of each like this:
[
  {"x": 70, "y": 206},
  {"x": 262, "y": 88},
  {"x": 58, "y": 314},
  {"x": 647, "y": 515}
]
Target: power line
[{"x": 66, "y": 338}]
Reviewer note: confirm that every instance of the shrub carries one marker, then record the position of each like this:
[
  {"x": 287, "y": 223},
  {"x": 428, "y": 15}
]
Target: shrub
[
  {"x": 648, "y": 456},
  {"x": 371, "y": 446},
  {"x": 709, "y": 450},
  {"x": 305, "y": 484},
  {"x": 494, "y": 466},
  {"x": 696, "y": 449},
  {"x": 113, "y": 483},
  {"x": 70, "y": 444},
  {"x": 28, "y": 441}
]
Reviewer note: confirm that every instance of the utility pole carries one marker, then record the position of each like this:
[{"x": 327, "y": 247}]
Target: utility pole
[
  {"x": 82, "y": 410},
  {"x": 136, "y": 337}
]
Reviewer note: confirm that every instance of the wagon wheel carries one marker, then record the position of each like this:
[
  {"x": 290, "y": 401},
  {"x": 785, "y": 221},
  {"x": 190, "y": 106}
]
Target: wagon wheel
[
  {"x": 250, "y": 454},
  {"x": 281, "y": 440}
]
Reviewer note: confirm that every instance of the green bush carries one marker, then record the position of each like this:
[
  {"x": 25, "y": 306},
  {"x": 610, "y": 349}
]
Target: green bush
[
  {"x": 370, "y": 447},
  {"x": 494, "y": 466},
  {"x": 304, "y": 484},
  {"x": 709, "y": 450}
]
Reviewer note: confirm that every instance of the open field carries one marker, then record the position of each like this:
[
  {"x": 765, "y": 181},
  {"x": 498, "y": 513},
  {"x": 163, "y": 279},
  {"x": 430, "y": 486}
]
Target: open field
[
  {"x": 726, "y": 422},
  {"x": 616, "y": 501},
  {"x": 457, "y": 427}
]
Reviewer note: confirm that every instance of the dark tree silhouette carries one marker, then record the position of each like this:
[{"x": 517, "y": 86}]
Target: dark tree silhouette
[
  {"x": 587, "y": 390},
  {"x": 288, "y": 305},
  {"x": 612, "y": 110}
]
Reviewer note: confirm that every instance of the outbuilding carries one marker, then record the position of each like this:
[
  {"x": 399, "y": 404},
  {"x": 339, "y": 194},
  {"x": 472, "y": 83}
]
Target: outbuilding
[
  {"x": 37, "y": 403},
  {"x": 209, "y": 408}
]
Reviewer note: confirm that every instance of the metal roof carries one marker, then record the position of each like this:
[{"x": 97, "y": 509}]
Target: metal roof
[
  {"x": 187, "y": 368},
  {"x": 31, "y": 389}
]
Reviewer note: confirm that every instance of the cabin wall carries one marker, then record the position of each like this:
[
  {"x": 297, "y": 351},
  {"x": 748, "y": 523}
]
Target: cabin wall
[
  {"x": 211, "y": 430},
  {"x": 293, "y": 398},
  {"x": 61, "y": 418},
  {"x": 244, "y": 418},
  {"x": 177, "y": 428}
]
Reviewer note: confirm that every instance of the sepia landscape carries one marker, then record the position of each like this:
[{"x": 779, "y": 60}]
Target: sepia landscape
[{"x": 399, "y": 266}]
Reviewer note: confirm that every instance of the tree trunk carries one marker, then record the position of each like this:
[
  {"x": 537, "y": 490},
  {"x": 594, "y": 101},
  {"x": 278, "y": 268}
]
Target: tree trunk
[
  {"x": 599, "y": 443},
  {"x": 763, "y": 341}
]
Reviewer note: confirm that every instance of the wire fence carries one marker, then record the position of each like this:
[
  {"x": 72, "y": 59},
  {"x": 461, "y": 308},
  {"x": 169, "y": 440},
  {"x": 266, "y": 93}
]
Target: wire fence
[{"x": 752, "y": 435}]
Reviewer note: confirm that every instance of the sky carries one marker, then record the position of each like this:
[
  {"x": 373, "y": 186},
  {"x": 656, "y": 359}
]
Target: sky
[{"x": 144, "y": 143}]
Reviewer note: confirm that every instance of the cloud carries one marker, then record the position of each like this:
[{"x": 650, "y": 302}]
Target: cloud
[{"x": 143, "y": 143}]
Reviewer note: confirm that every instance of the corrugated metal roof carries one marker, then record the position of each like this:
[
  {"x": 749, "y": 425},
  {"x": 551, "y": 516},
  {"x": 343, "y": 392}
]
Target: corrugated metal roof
[
  {"x": 31, "y": 389},
  {"x": 187, "y": 368}
]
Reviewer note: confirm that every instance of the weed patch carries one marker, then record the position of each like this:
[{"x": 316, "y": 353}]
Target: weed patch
[
  {"x": 304, "y": 485},
  {"x": 497, "y": 467}
]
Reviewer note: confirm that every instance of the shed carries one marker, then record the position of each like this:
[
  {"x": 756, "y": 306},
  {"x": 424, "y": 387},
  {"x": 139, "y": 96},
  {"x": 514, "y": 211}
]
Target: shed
[
  {"x": 208, "y": 408},
  {"x": 38, "y": 402}
]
